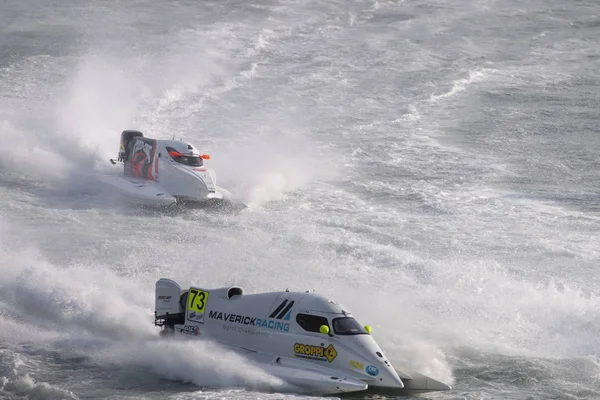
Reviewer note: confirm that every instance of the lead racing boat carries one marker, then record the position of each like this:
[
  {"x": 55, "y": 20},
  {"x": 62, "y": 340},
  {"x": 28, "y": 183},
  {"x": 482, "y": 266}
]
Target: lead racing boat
[
  {"x": 164, "y": 172},
  {"x": 303, "y": 338}
]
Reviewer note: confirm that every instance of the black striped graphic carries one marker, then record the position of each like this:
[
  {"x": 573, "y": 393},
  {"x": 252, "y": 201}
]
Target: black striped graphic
[{"x": 282, "y": 309}]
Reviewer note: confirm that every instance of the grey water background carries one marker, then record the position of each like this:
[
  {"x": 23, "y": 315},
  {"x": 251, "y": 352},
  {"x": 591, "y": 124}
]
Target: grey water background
[{"x": 434, "y": 166}]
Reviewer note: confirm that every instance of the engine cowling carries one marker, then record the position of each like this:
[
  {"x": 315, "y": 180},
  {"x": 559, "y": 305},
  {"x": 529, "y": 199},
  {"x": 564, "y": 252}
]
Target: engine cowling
[
  {"x": 167, "y": 300},
  {"x": 126, "y": 137}
]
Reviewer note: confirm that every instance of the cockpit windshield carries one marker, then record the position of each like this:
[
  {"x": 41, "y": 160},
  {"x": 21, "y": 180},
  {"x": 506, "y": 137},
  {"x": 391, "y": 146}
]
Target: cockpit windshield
[
  {"x": 347, "y": 326},
  {"x": 192, "y": 161}
]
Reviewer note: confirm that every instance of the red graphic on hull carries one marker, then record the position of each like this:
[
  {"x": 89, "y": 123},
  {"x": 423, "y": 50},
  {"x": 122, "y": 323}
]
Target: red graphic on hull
[{"x": 142, "y": 159}]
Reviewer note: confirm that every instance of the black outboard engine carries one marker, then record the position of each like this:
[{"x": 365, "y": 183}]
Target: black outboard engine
[{"x": 126, "y": 137}]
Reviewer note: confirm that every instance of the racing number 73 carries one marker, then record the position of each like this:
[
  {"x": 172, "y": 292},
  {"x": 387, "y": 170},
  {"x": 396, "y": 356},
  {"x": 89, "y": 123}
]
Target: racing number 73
[{"x": 197, "y": 300}]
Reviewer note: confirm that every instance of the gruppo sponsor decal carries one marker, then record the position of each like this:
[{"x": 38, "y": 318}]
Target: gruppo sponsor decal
[
  {"x": 166, "y": 299},
  {"x": 311, "y": 352},
  {"x": 372, "y": 370},
  {"x": 266, "y": 323}
]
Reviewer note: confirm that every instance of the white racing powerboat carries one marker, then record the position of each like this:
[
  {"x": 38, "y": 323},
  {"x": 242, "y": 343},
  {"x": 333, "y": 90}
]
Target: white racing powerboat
[
  {"x": 164, "y": 172},
  {"x": 303, "y": 338}
]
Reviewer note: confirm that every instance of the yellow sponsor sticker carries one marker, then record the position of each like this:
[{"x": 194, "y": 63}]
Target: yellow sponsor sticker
[{"x": 330, "y": 353}]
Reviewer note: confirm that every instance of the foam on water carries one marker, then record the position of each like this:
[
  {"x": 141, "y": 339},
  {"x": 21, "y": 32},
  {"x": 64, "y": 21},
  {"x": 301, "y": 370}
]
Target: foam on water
[
  {"x": 378, "y": 145},
  {"x": 200, "y": 363},
  {"x": 105, "y": 94},
  {"x": 107, "y": 318},
  {"x": 41, "y": 163},
  {"x": 460, "y": 85},
  {"x": 15, "y": 380}
]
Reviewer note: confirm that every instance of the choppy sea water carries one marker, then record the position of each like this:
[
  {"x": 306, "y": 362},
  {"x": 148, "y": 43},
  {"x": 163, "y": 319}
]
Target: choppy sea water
[{"x": 431, "y": 165}]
